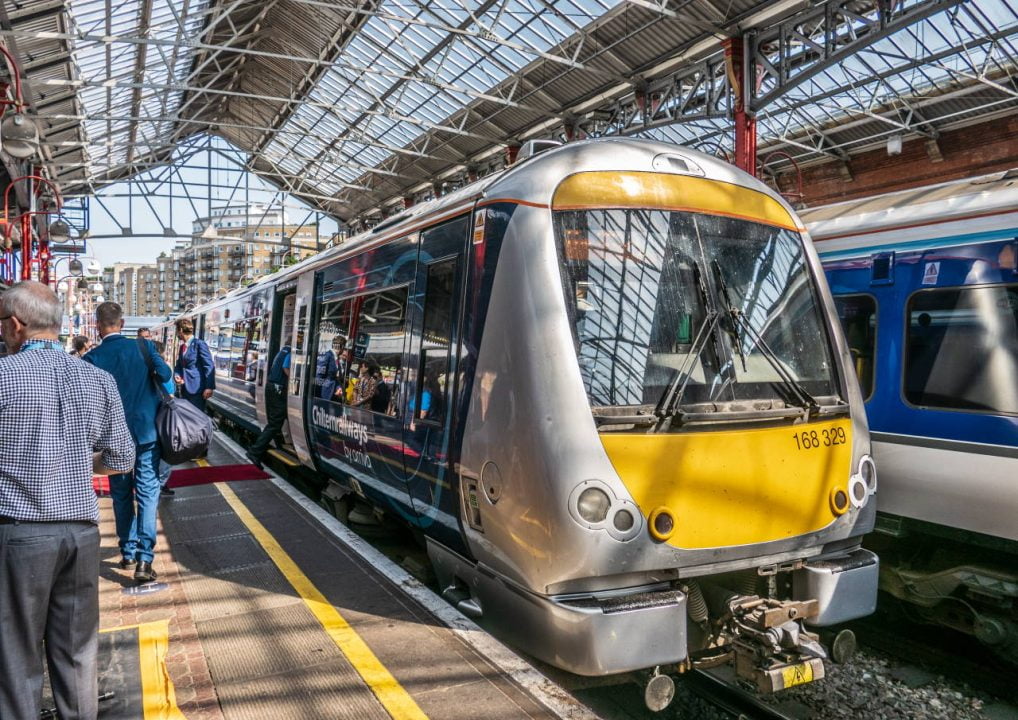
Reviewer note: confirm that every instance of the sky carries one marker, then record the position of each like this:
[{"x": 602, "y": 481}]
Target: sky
[{"x": 165, "y": 200}]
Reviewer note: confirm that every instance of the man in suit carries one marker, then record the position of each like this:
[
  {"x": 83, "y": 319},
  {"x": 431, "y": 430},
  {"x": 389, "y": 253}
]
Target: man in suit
[
  {"x": 195, "y": 371},
  {"x": 135, "y": 495}
]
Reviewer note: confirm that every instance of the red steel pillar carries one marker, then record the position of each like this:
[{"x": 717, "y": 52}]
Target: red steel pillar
[
  {"x": 745, "y": 121},
  {"x": 511, "y": 151},
  {"x": 26, "y": 246}
]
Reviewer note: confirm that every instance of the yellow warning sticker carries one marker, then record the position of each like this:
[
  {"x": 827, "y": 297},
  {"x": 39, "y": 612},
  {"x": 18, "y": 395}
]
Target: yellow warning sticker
[{"x": 797, "y": 674}]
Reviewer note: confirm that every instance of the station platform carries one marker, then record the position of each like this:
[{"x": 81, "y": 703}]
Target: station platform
[{"x": 266, "y": 607}]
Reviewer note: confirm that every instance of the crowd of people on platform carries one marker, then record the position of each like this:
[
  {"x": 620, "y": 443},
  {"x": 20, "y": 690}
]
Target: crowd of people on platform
[{"x": 99, "y": 404}]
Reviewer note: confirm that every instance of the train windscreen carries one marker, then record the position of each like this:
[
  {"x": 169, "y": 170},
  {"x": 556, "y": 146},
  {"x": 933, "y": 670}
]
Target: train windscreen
[{"x": 701, "y": 309}]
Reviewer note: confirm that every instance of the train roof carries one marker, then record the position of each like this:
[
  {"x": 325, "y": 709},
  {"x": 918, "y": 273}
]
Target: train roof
[
  {"x": 532, "y": 180},
  {"x": 946, "y": 202}
]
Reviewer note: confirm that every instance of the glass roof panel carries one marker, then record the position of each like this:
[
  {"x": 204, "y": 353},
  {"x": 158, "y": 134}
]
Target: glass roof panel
[{"x": 380, "y": 77}]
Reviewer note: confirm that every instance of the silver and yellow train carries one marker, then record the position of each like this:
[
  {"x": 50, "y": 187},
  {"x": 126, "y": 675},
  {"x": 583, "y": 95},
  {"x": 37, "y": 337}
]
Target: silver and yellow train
[{"x": 614, "y": 395}]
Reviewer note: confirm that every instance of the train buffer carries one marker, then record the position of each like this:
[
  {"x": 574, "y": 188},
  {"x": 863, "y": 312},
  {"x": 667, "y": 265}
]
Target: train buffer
[{"x": 266, "y": 607}]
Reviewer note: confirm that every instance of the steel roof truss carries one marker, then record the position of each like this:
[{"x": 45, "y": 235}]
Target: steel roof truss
[{"x": 784, "y": 55}]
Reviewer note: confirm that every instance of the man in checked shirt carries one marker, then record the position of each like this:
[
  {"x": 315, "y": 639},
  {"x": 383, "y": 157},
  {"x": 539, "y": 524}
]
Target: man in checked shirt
[{"x": 61, "y": 420}]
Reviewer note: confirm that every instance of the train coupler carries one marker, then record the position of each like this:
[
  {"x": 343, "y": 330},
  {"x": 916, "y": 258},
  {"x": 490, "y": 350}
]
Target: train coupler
[{"x": 772, "y": 648}]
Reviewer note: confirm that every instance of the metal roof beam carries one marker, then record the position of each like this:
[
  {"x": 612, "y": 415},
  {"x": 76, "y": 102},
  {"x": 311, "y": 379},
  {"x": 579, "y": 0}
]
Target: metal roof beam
[
  {"x": 794, "y": 50},
  {"x": 197, "y": 67},
  {"x": 330, "y": 51},
  {"x": 165, "y": 88},
  {"x": 144, "y": 17},
  {"x": 110, "y": 40}
]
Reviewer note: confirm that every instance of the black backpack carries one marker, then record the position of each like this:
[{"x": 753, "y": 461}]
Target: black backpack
[{"x": 184, "y": 432}]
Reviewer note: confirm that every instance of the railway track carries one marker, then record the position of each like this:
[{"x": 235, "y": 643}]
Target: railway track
[
  {"x": 939, "y": 651},
  {"x": 714, "y": 687}
]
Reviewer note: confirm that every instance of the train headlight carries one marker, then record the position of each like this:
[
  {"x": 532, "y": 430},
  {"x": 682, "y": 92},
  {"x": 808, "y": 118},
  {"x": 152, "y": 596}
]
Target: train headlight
[
  {"x": 662, "y": 524},
  {"x": 623, "y": 521},
  {"x": 839, "y": 500},
  {"x": 857, "y": 491},
  {"x": 593, "y": 505},
  {"x": 868, "y": 473}
]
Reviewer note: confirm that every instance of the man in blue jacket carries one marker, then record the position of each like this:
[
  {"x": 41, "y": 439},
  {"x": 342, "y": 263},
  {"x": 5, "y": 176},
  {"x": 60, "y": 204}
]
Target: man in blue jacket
[
  {"x": 195, "y": 370},
  {"x": 135, "y": 495}
]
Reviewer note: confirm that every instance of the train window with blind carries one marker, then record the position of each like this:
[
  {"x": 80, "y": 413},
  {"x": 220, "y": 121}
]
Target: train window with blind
[
  {"x": 961, "y": 350},
  {"x": 378, "y": 349},
  {"x": 858, "y": 315},
  {"x": 432, "y": 389}
]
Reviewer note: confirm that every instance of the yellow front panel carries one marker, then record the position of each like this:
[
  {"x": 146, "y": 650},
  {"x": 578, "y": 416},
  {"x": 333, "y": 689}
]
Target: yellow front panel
[
  {"x": 599, "y": 190},
  {"x": 740, "y": 486}
]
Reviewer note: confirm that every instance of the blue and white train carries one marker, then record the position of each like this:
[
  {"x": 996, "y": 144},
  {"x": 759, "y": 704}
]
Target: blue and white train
[{"x": 926, "y": 286}]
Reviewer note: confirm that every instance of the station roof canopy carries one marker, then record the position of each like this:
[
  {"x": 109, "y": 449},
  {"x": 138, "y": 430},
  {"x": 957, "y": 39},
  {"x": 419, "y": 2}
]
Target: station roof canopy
[{"x": 352, "y": 105}]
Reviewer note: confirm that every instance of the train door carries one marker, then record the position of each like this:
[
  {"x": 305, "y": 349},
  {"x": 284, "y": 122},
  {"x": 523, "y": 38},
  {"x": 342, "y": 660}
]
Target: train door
[
  {"x": 279, "y": 321},
  {"x": 360, "y": 340},
  {"x": 427, "y": 406},
  {"x": 299, "y": 366}
]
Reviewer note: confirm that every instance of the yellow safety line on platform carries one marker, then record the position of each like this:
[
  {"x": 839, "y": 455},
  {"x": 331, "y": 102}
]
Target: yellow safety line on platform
[
  {"x": 394, "y": 698},
  {"x": 158, "y": 699}
]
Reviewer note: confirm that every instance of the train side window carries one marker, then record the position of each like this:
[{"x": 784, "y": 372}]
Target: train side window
[
  {"x": 433, "y": 374},
  {"x": 333, "y": 359},
  {"x": 378, "y": 346},
  {"x": 858, "y": 316},
  {"x": 961, "y": 350},
  {"x": 247, "y": 336}
]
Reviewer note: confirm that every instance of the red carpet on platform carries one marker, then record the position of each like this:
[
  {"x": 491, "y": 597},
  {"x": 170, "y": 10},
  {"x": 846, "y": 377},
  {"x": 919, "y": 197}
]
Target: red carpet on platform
[
  {"x": 217, "y": 473},
  {"x": 195, "y": 476}
]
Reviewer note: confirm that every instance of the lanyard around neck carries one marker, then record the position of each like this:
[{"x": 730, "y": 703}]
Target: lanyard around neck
[{"x": 41, "y": 345}]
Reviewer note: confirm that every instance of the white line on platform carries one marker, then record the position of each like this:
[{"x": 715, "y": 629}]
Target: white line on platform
[{"x": 544, "y": 690}]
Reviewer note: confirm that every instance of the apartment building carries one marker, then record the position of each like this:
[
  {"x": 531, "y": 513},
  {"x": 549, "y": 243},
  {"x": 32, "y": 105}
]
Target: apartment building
[{"x": 233, "y": 247}]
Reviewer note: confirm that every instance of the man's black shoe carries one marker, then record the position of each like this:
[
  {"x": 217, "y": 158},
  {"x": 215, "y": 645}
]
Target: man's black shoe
[
  {"x": 167, "y": 491},
  {"x": 144, "y": 572},
  {"x": 254, "y": 461},
  {"x": 126, "y": 563}
]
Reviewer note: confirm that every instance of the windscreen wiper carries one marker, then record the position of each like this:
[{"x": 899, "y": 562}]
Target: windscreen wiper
[
  {"x": 672, "y": 395},
  {"x": 739, "y": 319},
  {"x": 733, "y": 320}
]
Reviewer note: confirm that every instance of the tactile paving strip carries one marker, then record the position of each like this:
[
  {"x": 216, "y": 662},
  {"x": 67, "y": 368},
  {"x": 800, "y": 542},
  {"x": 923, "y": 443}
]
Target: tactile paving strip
[
  {"x": 208, "y": 526},
  {"x": 323, "y": 691},
  {"x": 266, "y": 642},
  {"x": 234, "y": 591}
]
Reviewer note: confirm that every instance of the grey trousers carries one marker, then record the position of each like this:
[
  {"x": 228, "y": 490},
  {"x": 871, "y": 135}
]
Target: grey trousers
[{"x": 49, "y": 594}]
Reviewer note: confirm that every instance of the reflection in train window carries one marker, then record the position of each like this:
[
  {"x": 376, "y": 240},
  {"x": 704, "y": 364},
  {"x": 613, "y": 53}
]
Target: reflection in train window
[
  {"x": 962, "y": 349},
  {"x": 379, "y": 333},
  {"x": 432, "y": 388},
  {"x": 333, "y": 351},
  {"x": 858, "y": 315},
  {"x": 236, "y": 349}
]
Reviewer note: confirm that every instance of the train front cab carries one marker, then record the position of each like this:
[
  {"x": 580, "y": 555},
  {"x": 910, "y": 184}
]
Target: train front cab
[
  {"x": 596, "y": 521},
  {"x": 934, "y": 338}
]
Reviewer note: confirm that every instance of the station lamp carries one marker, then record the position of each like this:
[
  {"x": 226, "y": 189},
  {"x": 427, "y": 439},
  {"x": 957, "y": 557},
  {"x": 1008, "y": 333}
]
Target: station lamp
[
  {"x": 59, "y": 232},
  {"x": 75, "y": 267},
  {"x": 20, "y": 135}
]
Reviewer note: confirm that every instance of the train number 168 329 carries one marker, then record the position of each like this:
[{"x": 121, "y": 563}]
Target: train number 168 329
[{"x": 810, "y": 439}]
